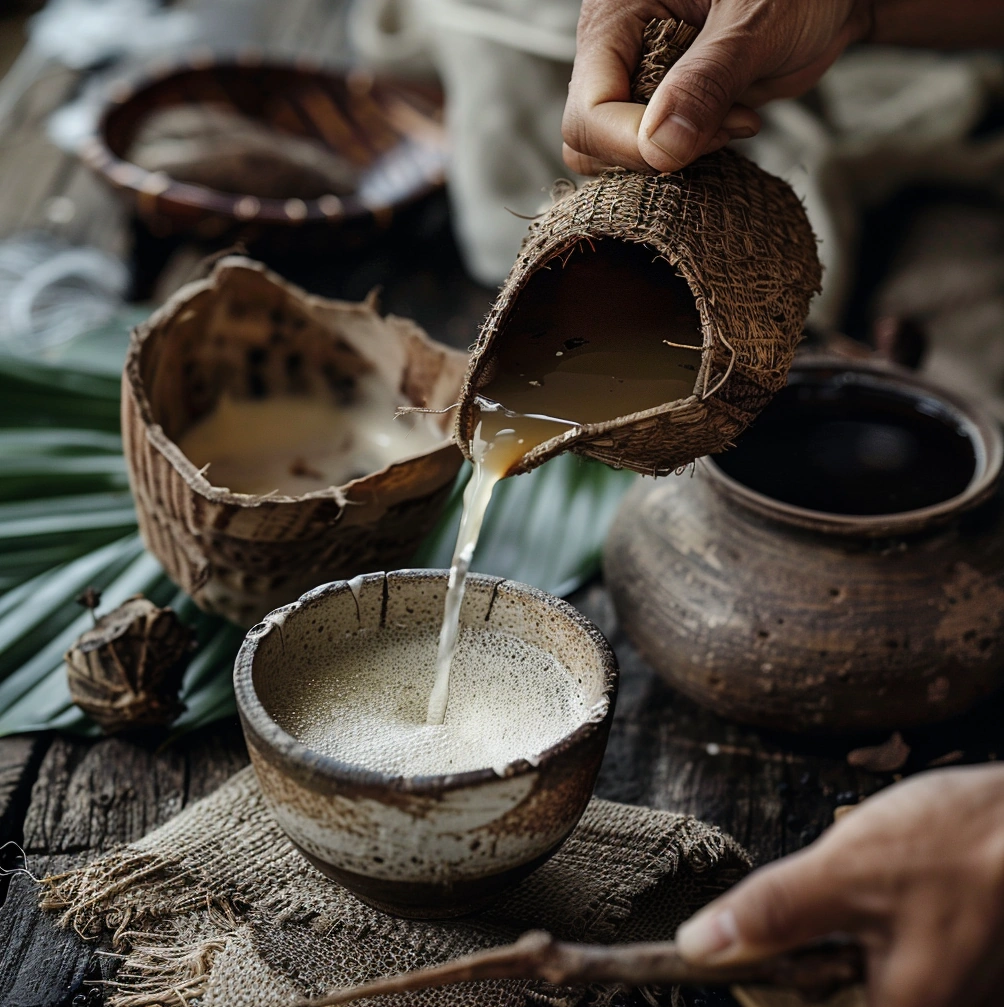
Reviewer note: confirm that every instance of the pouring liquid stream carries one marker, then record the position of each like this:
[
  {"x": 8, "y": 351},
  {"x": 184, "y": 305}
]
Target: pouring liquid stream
[
  {"x": 576, "y": 355},
  {"x": 500, "y": 440}
]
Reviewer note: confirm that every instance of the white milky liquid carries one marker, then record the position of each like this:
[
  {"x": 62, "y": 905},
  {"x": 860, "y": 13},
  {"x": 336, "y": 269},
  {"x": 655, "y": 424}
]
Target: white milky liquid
[
  {"x": 500, "y": 440},
  {"x": 366, "y": 707},
  {"x": 296, "y": 444}
]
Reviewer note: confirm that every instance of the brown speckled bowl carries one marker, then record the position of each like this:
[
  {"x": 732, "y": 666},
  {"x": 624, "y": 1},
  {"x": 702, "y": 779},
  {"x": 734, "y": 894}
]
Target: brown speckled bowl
[{"x": 432, "y": 846}]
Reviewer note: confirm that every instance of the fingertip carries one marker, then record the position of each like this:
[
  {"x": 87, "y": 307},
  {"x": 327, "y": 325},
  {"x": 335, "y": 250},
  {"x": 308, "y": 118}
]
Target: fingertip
[
  {"x": 741, "y": 122},
  {"x": 671, "y": 144},
  {"x": 719, "y": 140},
  {"x": 607, "y": 135},
  {"x": 781, "y": 906},
  {"x": 709, "y": 936}
]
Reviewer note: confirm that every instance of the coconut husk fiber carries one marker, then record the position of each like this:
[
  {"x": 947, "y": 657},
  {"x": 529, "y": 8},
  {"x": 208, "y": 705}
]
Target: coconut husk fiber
[
  {"x": 740, "y": 239},
  {"x": 245, "y": 332},
  {"x": 217, "y": 908}
]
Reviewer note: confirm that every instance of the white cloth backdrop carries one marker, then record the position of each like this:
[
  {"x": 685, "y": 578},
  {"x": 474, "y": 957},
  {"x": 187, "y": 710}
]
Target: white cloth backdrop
[{"x": 888, "y": 117}]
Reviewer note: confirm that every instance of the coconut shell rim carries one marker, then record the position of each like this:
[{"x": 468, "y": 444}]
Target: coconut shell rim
[
  {"x": 172, "y": 453},
  {"x": 587, "y": 432},
  {"x": 566, "y": 441}
]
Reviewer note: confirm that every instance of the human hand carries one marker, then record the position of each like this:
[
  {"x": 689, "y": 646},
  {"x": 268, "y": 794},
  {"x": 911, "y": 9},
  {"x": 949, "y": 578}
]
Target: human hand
[
  {"x": 748, "y": 52},
  {"x": 916, "y": 874}
]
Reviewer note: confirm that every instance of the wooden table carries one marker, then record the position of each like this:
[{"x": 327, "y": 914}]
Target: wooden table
[{"x": 67, "y": 800}]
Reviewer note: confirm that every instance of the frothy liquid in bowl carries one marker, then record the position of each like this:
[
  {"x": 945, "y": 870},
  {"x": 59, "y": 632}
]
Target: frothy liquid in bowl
[
  {"x": 612, "y": 331},
  {"x": 510, "y": 700}
]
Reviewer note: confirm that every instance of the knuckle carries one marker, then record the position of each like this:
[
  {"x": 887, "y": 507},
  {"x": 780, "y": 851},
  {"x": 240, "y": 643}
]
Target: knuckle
[
  {"x": 598, "y": 18},
  {"x": 593, "y": 15},
  {"x": 710, "y": 84},
  {"x": 573, "y": 127}
]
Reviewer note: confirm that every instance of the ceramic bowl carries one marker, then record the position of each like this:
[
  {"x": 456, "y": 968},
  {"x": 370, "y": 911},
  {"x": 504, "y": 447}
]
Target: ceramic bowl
[{"x": 430, "y": 846}]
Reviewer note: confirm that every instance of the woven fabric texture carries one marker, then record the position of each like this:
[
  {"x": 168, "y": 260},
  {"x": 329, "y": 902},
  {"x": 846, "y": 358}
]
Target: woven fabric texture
[
  {"x": 216, "y": 907},
  {"x": 664, "y": 41}
]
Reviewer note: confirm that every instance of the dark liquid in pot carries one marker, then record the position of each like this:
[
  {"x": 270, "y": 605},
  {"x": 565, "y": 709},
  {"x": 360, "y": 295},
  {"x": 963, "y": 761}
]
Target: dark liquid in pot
[{"x": 850, "y": 448}]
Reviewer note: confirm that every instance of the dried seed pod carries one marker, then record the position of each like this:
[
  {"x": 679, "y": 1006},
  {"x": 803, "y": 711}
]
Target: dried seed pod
[{"x": 126, "y": 671}]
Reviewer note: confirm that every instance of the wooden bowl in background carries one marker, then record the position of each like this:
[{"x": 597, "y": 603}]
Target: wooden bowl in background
[{"x": 389, "y": 131}]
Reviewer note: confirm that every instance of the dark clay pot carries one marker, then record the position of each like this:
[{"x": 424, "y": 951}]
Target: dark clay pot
[{"x": 840, "y": 569}]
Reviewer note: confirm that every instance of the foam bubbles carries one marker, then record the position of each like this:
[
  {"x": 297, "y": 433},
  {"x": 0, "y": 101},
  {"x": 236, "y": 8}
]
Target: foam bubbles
[{"x": 508, "y": 700}]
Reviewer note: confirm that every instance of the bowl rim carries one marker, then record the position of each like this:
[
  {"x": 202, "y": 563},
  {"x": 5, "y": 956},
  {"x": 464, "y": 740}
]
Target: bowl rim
[
  {"x": 266, "y": 733},
  {"x": 243, "y": 208},
  {"x": 983, "y": 432}
]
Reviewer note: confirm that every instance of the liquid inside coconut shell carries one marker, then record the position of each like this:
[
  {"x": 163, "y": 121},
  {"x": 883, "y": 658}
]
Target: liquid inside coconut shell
[
  {"x": 608, "y": 331},
  {"x": 296, "y": 444},
  {"x": 588, "y": 339}
]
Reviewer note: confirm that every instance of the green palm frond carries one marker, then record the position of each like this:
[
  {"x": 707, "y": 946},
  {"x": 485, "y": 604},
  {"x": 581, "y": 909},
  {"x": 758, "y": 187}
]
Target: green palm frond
[{"x": 67, "y": 523}]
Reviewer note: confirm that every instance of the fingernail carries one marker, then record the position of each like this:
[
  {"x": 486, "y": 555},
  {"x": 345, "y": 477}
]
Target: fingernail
[
  {"x": 707, "y": 935},
  {"x": 677, "y": 137}
]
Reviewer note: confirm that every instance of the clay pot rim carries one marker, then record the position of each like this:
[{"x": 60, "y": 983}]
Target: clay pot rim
[
  {"x": 181, "y": 301},
  {"x": 983, "y": 432},
  {"x": 295, "y": 757}
]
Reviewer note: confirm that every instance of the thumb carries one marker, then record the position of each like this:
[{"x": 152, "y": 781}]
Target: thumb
[
  {"x": 777, "y": 908},
  {"x": 687, "y": 114}
]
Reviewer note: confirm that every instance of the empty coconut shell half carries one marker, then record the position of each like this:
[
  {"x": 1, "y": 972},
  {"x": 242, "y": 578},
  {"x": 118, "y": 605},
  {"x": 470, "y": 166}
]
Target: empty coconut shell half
[
  {"x": 736, "y": 235},
  {"x": 244, "y": 336}
]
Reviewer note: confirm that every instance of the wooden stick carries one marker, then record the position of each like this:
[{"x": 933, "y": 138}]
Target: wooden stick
[{"x": 815, "y": 971}]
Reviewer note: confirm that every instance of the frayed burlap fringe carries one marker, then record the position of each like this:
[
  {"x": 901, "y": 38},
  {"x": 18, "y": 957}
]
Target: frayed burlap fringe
[
  {"x": 216, "y": 908},
  {"x": 739, "y": 237}
]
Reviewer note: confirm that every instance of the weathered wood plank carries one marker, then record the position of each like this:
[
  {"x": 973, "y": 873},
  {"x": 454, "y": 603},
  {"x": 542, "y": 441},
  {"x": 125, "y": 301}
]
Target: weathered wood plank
[
  {"x": 89, "y": 797},
  {"x": 19, "y": 760},
  {"x": 666, "y": 752}
]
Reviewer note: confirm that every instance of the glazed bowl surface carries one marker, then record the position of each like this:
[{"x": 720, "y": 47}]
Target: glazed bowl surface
[{"x": 422, "y": 846}]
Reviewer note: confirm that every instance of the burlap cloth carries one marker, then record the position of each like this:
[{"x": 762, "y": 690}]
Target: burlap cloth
[{"x": 217, "y": 908}]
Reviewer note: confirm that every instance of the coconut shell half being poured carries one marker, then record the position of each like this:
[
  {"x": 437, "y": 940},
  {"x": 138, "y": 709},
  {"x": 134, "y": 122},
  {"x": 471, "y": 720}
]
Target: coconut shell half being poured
[{"x": 719, "y": 257}]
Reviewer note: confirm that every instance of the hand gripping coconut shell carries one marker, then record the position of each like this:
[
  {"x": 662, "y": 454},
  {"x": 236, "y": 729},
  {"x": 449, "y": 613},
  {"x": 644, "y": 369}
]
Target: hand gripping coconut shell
[
  {"x": 741, "y": 241},
  {"x": 244, "y": 336}
]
